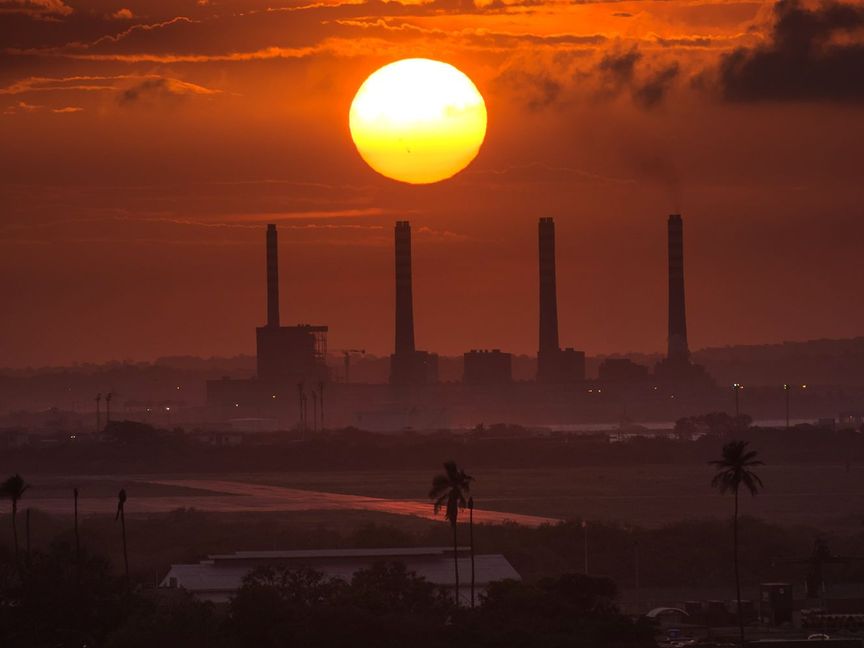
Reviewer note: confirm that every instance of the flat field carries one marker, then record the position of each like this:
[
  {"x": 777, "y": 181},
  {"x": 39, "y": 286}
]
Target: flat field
[
  {"x": 830, "y": 496},
  {"x": 825, "y": 496}
]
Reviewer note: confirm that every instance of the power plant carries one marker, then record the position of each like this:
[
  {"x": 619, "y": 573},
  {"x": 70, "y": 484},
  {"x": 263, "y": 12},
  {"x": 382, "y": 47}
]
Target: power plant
[
  {"x": 292, "y": 367},
  {"x": 484, "y": 367},
  {"x": 677, "y": 366},
  {"x": 287, "y": 353},
  {"x": 678, "y": 351},
  {"x": 554, "y": 364},
  {"x": 408, "y": 366}
]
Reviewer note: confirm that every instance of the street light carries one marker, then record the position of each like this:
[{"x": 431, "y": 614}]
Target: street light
[
  {"x": 788, "y": 389},
  {"x": 737, "y": 387}
]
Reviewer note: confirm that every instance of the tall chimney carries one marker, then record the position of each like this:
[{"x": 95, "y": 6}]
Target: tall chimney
[
  {"x": 548, "y": 294},
  {"x": 678, "y": 351},
  {"x": 272, "y": 277},
  {"x": 404, "y": 295}
]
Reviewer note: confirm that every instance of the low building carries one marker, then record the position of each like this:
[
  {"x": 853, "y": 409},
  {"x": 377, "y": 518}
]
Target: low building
[
  {"x": 622, "y": 370},
  {"x": 218, "y": 577},
  {"x": 483, "y": 367}
]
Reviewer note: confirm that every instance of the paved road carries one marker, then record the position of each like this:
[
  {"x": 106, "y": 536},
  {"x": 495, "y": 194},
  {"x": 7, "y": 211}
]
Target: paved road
[{"x": 235, "y": 497}]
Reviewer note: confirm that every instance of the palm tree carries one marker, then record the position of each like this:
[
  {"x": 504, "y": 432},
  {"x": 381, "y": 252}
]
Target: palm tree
[
  {"x": 449, "y": 491},
  {"x": 735, "y": 468},
  {"x": 121, "y": 515},
  {"x": 13, "y": 488}
]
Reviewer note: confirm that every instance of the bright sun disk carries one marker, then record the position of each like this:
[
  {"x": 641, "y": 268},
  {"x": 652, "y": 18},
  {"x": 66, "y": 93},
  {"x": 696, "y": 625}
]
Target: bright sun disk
[{"x": 418, "y": 121}]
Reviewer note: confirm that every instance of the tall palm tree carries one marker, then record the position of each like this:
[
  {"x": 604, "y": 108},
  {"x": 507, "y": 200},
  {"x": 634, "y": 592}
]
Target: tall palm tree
[
  {"x": 734, "y": 469},
  {"x": 449, "y": 491},
  {"x": 121, "y": 515},
  {"x": 13, "y": 488}
]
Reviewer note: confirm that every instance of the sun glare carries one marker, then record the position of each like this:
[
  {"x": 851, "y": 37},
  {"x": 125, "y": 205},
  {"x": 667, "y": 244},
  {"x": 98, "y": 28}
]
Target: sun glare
[{"x": 418, "y": 121}]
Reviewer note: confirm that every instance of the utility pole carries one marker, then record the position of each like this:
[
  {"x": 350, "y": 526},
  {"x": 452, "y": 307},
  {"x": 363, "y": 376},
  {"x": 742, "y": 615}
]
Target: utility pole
[
  {"x": 737, "y": 387},
  {"x": 585, "y": 542},
  {"x": 300, "y": 406},
  {"x": 314, "y": 410},
  {"x": 321, "y": 401},
  {"x": 121, "y": 515},
  {"x": 787, "y": 388},
  {"x": 98, "y": 413},
  {"x": 108, "y": 397},
  {"x": 471, "y": 539},
  {"x": 77, "y": 537},
  {"x": 27, "y": 531}
]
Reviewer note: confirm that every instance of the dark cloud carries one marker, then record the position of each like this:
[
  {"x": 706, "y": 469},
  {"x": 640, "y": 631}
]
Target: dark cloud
[
  {"x": 36, "y": 7},
  {"x": 812, "y": 55},
  {"x": 688, "y": 41},
  {"x": 160, "y": 89},
  {"x": 651, "y": 92},
  {"x": 618, "y": 73},
  {"x": 540, "y": 85},
  {"x": 622, "y": 14},
  {"x": 536, "y": 91},
  {"x": 619, "y": 67}
]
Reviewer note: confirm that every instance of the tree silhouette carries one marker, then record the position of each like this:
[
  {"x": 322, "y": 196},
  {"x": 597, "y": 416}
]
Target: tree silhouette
[
  {"x": 449, "y": 491},
  {"x": 734, "y": 468},
  {"x": 13, "y": 488}
]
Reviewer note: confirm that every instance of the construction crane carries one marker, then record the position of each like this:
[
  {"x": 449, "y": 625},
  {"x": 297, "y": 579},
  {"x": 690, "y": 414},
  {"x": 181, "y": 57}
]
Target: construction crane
[{"x": 346, "y": 354}]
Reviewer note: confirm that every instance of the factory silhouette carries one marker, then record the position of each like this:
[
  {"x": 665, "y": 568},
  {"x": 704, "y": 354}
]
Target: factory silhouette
[{"x": 295, "y": 384}]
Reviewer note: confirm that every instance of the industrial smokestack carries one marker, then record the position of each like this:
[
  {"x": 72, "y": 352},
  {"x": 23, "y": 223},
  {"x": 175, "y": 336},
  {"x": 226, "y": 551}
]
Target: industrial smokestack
[
  {"x": 404, "y": 294},
  {"x": 272, "y": 277},
  {"x": 548, "y": 293},
  {"x": 678, "y": 350}
]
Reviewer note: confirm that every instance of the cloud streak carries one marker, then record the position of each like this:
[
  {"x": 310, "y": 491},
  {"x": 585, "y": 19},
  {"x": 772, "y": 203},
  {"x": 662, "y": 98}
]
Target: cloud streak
[{"x": 37, "y": 8}]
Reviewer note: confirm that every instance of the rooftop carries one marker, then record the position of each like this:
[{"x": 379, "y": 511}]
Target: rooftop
[{"x": 221, "y": 575}]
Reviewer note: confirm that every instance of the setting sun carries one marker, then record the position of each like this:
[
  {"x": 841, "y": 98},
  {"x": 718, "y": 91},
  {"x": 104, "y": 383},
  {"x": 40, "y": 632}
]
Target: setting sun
[{"x": 418, "y": 121}]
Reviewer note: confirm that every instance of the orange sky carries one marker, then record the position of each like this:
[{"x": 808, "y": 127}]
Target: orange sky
[{"x": 144, "y": 145}]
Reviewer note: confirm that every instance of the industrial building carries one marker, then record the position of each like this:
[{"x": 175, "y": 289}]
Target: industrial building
[
  {"x": 408, "y": 366},
  {"x": 292, "y": 377},
  {"x": 287, "y": 353},
  {"x": 287, "y": 357},
  {"x": 483, "y": 367},
  {"x": 677, "y": 367},
  {"x": 554, "y": 364},
  {"x": 622, "y": 370},
  {"x": 218, "y": 577}
]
